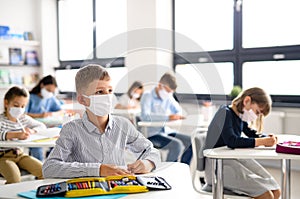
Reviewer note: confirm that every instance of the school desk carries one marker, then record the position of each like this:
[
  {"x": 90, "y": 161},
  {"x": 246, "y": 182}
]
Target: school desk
[
  {"x": 218, "y": 154},
  {"x": 187, "y": 125},
  {"x": 175, "y": 173}
]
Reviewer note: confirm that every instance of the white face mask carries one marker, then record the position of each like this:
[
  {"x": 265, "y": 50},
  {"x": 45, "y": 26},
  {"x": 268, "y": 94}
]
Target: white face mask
[
  {"x": 135, "y": 95},
  {"x": 248, "y": 116},
  {"x": 46, "y": 94},
  {"x": 100, "y": 105},
  {"x": 16, "y": 112},
  {"x": 163, "y": 94}
]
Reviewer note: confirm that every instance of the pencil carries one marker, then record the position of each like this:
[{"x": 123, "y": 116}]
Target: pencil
[
  {"x": 21, "y": 125},
  {"x": 144, "y": 151}
]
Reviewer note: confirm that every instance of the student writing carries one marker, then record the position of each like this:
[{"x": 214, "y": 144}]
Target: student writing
[
  {"x": 243, "y": 176},
  {"x": 14, "y": 124},
  {"x": 160, "y": 105},
  {"x": 95, "y": 145},
  {"x": 131, "y": 99},
  {"x": 43, "y": 103}
]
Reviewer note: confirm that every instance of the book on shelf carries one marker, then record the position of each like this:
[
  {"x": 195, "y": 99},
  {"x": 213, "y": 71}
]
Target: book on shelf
[
  {"x": 15, "y": 56},
  {"x": 31, "y": 58}
]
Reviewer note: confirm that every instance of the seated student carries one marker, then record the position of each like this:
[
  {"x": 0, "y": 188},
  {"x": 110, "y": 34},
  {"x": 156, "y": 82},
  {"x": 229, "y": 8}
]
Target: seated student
[
  {"x": 131, "y": 99},
  {"x": 14, "y": 124},
  {"x": 160, "y": 105},
  {"x": 95, "y": 144},
  {"x": 243, "y": 176},
  {"x": 43, "y": 103}
]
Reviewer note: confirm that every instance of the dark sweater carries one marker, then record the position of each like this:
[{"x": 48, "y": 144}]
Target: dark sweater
[{"x": 225, "y": 130}]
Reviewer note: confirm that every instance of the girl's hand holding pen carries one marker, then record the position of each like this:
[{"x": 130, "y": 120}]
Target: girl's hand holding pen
[
  {"x": 270, "y": 140},
  {"x": 23, "y": 135}
]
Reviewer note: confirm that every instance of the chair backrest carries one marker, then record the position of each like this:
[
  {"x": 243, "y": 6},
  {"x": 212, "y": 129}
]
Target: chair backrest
[
  {"x": 198, "y": 141},
  {"x": 198, "y": 144}
]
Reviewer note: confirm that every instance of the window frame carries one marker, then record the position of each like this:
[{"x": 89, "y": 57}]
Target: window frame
[
  {"x": 238, "y": 55},
  {"x": 74, "y": 64}
]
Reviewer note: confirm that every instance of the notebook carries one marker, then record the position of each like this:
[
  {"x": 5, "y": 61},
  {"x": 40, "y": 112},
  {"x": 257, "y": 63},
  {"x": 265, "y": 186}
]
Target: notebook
[{"x": 43, "y": 135}]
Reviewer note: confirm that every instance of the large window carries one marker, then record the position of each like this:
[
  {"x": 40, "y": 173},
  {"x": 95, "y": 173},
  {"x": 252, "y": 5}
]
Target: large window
[
  {"x": 208, "y": 25},
  {"x": 268, "y": 75},
  {"x": 85, "y": 32},
  {"x": 75, "y": 24},
  {"x": 273, "y": 24},
  {"x": 195, "y": 78},
  {"x": 259, "y": 38},
  {"x": 111, "y": 26}
]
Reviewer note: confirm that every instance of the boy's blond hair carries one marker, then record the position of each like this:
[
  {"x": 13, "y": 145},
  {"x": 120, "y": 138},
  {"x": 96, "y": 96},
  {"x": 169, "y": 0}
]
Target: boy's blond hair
[{"x": 88, "y": 74}]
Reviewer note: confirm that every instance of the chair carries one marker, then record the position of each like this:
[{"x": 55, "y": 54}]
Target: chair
[{"x": 198, "y": 142}]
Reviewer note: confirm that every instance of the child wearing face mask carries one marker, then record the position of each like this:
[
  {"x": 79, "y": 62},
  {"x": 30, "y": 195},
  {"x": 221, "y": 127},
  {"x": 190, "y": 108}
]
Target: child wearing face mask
[
  {"x": 160, "y": 105},
  {"x": 131, "y": 99},
  {"x": 43, "y": 103},
  {"x": 95, "y": 144},
  {"x": 14, "y": 124},
  {"x": 243, "y": 176}
]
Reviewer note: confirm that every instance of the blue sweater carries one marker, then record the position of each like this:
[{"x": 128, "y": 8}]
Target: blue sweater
[{"x": 225, "y": 130}]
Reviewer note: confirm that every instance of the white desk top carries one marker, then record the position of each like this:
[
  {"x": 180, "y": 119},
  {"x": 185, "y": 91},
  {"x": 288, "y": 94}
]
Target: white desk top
[
  {"x": 191, "y": 120},
  {"x": 46, "y": 143},
  {"x": 176, "y": 174},
  {"x": 45, "y": 138},
  {"x": 253, "y": 153}
]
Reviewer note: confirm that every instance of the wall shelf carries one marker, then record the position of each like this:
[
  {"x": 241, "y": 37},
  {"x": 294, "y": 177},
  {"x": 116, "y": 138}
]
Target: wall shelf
[{"x": 19, "y": 43}]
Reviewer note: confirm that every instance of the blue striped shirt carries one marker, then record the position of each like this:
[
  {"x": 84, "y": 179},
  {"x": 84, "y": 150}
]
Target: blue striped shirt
[{"x": 82, "y": 148}]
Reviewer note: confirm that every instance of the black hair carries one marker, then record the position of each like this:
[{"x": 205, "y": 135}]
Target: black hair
[
  {"x": 15, "y": 91},
  {"x": 45, "y": 81}
]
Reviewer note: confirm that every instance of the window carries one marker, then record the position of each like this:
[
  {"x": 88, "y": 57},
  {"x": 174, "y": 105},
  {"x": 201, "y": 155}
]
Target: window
[
  {"x": 111, "y": 27},
  {"x": 270, "y": 23},
  {"x": 75, "y": 23},
  {"x": 206, "y": 78},
  {"x": 92, "y": 30},
  {"x": 251, "y": 43},
  {"x": 206, "y": 22},
  {"x": 276, "y": 77}
]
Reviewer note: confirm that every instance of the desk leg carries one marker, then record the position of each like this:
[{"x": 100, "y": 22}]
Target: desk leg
[
  {"x": 217, "y": 184},
  {"x": 144, "y": 131},
  {"x": 285, "y": 179}
]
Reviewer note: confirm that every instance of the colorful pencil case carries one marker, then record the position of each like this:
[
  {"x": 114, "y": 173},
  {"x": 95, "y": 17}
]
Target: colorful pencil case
[
  {"x": 101, "y": 186},
  {"x": 290, "y": 147}
]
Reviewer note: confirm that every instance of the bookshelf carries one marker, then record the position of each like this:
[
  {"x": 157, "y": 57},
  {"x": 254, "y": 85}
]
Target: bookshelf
[{"x": 19, "y": 74}]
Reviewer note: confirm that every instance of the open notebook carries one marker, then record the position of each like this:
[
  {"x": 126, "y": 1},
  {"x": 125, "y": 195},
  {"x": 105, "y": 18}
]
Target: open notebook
[{"x": 43, "y": 135}]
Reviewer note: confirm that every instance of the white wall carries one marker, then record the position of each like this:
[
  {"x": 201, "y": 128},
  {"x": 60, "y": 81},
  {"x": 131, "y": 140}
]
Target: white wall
[
  {"x": 148, "y": 53},
  {"x": 38, "y": 17}
]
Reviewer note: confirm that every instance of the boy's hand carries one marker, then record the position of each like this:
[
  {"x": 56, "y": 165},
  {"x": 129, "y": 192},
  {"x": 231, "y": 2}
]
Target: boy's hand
[
  {"x": 112, "y": 170},
  {"x": 140, "y": 166}
]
